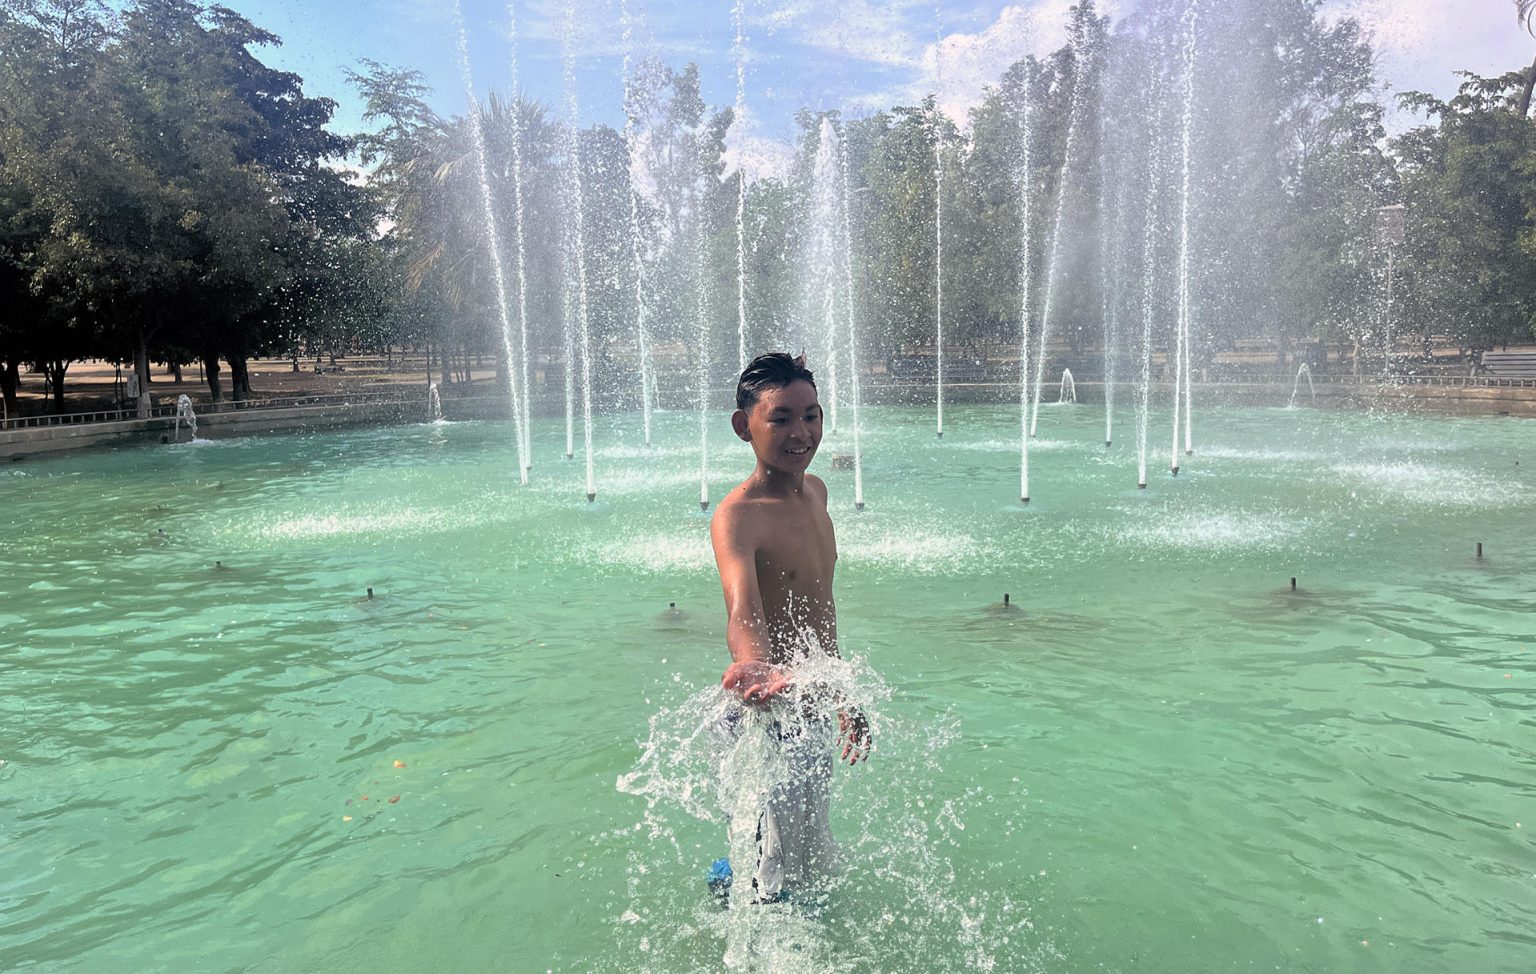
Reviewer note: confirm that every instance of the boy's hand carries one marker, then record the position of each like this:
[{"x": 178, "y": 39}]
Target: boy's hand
[
  {"x": 755, "y": 681},
  {"x": 854, "y": 735}
]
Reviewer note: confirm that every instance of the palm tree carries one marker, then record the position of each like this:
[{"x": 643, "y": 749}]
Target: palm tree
[{"x": 1525, "y": 13}]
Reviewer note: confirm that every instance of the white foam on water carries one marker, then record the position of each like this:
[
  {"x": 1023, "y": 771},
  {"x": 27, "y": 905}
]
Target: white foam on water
[
  {"x": 1206, "y": 530},
  {"x": 657, "y": 553},
  {"x": 910, "y": 549},
  {"x": 1218, "y": 452},
  {"x": 1421, "y": 483},
  {"x": 1012, "y": 446}
]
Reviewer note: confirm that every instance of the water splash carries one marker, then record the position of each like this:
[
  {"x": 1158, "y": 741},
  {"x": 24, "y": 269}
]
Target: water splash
[
  {"x": 493, "y": 238},
  {"x": 885, "y": 890},
  {"x": 853, "y": 336}
]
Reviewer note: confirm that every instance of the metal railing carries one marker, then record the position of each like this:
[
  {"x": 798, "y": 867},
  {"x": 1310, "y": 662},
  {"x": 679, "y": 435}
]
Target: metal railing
[{"x": 168, "y": 410}]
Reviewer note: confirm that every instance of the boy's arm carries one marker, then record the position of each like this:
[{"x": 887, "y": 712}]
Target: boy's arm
[{"x": 746, "y": 633}]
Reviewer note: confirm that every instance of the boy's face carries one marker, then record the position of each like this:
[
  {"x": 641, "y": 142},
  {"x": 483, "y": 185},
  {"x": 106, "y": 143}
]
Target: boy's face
[{"x": 784, "y": 426}]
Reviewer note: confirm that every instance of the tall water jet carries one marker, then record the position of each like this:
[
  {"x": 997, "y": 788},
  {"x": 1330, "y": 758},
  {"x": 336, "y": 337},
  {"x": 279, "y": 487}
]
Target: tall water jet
[
  {"x": 1053, "y": 257},
  {"x": 739, "y": 118},
  {"x": 853, "y": 335},
  {"x": 1026, "y": 197},
  {"x": 1111, "y": 242},
  {"x": 1149, "y": 277},
  {"x": 576, "y": 214},
  {"x": 701, "y": 310},
  {"x": 520, "y": 210},
  {"x": 493, "y": 238},
  {"x": 828, "y": 269},
  {"x": 938, "y": 229},
  {"x": 637, "y": 254},
  {"x": 1181, "y": 367}
]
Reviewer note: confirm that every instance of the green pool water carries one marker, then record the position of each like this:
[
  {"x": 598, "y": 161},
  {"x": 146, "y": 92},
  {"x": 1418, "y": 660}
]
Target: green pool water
[{"x": 1164, "y": 761}]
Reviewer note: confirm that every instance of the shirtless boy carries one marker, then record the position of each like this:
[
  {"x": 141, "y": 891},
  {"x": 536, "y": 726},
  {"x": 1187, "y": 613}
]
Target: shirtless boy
[{"x": 776, "y": 553}]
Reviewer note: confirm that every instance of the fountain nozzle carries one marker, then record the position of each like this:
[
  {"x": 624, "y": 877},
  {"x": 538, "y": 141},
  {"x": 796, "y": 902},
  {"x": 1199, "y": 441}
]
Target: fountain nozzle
[
  {"x": 1189, "y": 451},
  {"x": 591, "y": 497},
  {"x": 1293, "y": 583},
  {"x": 1141, "y": 485},
  {"x": 703, "y": 505},
  {"x": 941, "y": 434},
  {"x": 1479, "y": 549},
  {"x": 1107, "y": 444},
  {"x": 858, "y": 505},
  {"x": 1024, "y": 499},
  {"x": 570, "y": 456},
  {"x": 1005, "y": 600},
  {"x": 370, "y": 591},
  {"x": 1175, "y": 471}
]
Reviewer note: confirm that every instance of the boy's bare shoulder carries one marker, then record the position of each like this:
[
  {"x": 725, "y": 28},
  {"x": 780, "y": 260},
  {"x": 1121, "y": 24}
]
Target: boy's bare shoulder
[
  {"x": 734, "y": 514},
  {"x": 818, "y": 487}
]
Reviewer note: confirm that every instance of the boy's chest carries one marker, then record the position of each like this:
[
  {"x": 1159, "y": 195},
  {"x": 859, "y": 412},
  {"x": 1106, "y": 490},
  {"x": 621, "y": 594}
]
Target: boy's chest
[{"x": 799, "y": 548}]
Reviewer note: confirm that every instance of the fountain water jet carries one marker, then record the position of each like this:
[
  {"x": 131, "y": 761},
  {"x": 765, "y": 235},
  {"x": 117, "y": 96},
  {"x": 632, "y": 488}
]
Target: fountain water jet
[
  {"x": 1305, "y": 370},
  {"x": 1067, "y": 392},
  {"x": 493, "y": 238},
  {"x": 1026, "y": 196},
  {"x": 740, "y": 52},
  {"x": 522, "y": 250},
  {"x": 185, "y": 414},
  {"x": 576, "y": 216},
  {"x": 642, "y": 338},
  {"x": 1149, "y": 289},
  {"x": 1063, "y": 186},
  {"x": 434, "y": 403},
  {"x": 1182, "y": 367}
]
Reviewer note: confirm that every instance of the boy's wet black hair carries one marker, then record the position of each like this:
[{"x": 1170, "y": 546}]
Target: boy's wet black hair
[{"x": 775, "y": 370}]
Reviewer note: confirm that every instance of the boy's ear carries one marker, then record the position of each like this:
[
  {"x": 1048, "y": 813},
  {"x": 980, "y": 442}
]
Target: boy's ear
[{"x": 739, "y": 424}]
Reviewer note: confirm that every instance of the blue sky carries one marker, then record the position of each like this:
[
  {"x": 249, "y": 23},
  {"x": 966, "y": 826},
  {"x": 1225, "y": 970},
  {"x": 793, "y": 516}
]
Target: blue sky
[{"x": 849, "y": 54}]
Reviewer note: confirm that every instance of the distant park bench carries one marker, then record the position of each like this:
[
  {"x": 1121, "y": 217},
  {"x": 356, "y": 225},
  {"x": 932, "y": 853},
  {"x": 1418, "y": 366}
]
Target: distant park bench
[
  {"x": 959, "y": 367},
  {"x": 324, "y": 369},
  {"x": 1510, "y": 365}
]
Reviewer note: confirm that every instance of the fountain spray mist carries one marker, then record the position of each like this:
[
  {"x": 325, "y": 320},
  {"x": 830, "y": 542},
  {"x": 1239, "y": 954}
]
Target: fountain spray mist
[
  {"x": 740, "y": 52},
  {"x": 642, "y": 338},
  {"x": 1053, "y": 258},
  {"x": 493, "y": 239},
  {"x": 577, "y": 216},
  {"x": 1111, "y": 245},
  {"x": 1026, "y": 209},
  {"x": 522, "y": 262},
  {"x": 1191, "y": 13}
]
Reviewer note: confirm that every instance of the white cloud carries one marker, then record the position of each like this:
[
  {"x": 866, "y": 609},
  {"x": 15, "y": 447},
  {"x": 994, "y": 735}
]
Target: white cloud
[
  {"x": 876, "y": 33},
  {"x": 759, "y": 156},
  {"x": 1422, "y": 43}
]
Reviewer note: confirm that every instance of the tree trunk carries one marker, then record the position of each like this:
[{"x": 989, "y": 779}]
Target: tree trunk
[
  {"x": 295, "y": 358},
  {"x": 1523, "y": 105},
  {"x": 176, "y": 372},
  {"x": 211, "y": 373},
  {"x": 141, "y": 369},
  {"x": 239, "y": 377},
  {"x": 56, "y": 370},
  {"x": 10, "y": 381}
]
